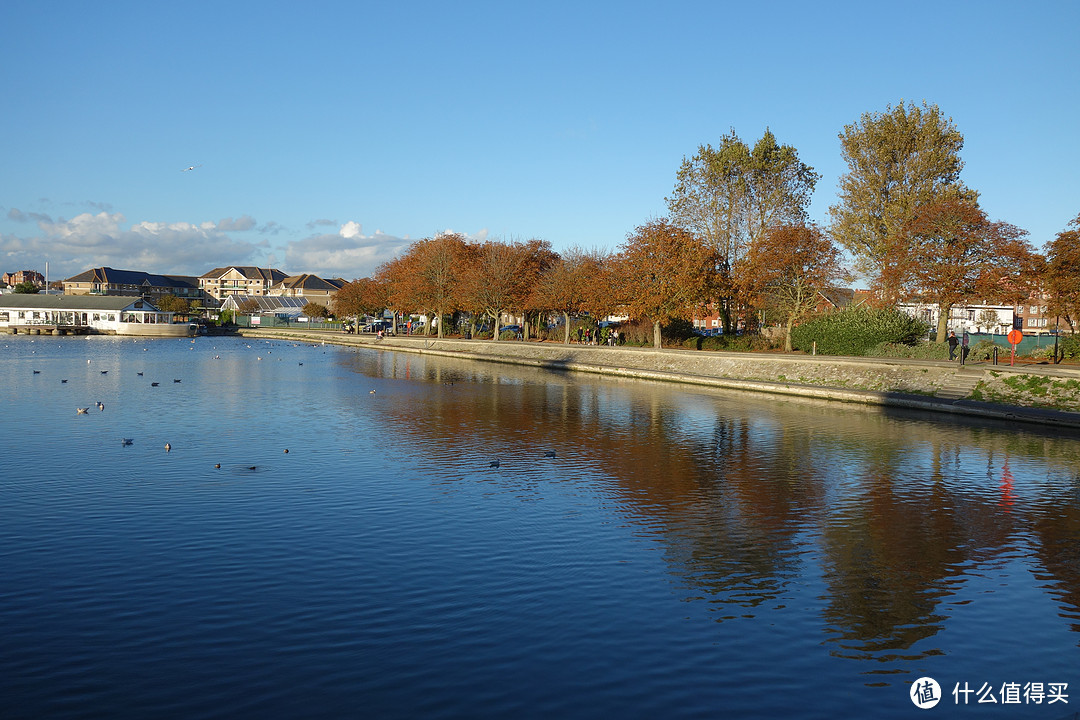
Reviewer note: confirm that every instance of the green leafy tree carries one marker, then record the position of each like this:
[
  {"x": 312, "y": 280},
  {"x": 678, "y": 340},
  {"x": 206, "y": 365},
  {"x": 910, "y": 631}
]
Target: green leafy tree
[
  {"x": 26, "y": 288},
  {"x": 898, "y": 160},
  {"x": 732, "y": 194},
  {"x": 316, "y": 310}
]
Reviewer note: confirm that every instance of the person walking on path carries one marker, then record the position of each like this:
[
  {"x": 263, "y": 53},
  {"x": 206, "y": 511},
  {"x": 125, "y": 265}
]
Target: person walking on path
[
  {"x": 953, "y": 342},
  {"x": 964, "y": 349}
]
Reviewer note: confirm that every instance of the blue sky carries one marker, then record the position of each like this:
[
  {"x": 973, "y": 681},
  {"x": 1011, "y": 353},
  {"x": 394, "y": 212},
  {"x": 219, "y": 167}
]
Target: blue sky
[{"x": 329, "y": 135}]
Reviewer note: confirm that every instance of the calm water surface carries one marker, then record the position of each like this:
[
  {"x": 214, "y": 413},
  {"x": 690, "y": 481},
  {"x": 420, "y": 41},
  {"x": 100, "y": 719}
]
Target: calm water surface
[{"x": 685, "y": 553}]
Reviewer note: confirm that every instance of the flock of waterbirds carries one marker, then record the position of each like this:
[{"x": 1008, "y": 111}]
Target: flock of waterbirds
[{"x": 126, "y": 442}]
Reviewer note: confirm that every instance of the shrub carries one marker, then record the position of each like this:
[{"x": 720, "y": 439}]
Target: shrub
[
  {"x": 1069, "y": 346},
  {"x": 738, "y": 343},
  {"x": 984, "y": 350},
  {"x": 921, "y": 351},
  {"x": 855, "y": 330}
]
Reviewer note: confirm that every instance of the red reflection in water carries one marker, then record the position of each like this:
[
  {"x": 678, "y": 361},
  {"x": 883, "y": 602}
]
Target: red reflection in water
[{"x": 1008, "y": 497}]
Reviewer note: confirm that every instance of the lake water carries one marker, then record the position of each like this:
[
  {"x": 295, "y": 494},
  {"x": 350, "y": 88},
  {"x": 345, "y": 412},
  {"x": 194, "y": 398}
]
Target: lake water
[{"x": 684, "y": 553}]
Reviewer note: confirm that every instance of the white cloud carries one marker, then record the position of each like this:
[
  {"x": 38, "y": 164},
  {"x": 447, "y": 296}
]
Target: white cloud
[
  {"x": 348, "y": 253},
  {"x": 93, "y": 240}
]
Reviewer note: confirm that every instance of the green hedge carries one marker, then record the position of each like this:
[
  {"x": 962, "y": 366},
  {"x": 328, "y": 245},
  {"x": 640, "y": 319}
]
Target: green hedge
[
  {"x": 1069, "y": 346},
  {"x": 855, "y": 331},
  {"x": 921, "y": 351}
]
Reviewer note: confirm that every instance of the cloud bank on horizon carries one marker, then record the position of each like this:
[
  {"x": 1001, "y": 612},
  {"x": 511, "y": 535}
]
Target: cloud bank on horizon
[{"x": 106, "y": 239}]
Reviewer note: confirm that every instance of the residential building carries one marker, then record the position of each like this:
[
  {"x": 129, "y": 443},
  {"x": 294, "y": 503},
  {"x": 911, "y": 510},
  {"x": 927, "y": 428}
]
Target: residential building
[
  {"x": 309, "y": 287},
  {"x": 134, "y": 283},
  {"x": 985, "y": 317},
  {"x": 222, "y": 282},
  {"x": 30, "y": 276}
]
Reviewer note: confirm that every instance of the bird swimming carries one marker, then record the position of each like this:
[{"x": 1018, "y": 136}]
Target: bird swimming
[
  {"x": 104, "y": 372},
  {"x": 153, "y": 384},
  {"x": 81, "y": 411},
  {"x": 100, "y": 405},
  {"x": 168, "y": 447},
  {"x": 126, "y": 441},
  {"x": 549, "y": 453},
  {"x": 140, "y": 374},
  {"x": 494, "y": 463}
]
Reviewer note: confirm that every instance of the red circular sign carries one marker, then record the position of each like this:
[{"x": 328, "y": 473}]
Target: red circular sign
[{"x": 1015, "y": 336}]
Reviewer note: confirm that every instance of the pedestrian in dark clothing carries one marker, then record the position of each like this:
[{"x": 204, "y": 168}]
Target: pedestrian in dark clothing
[
  {"x": 953, "y": 342},
  {"x": 964, "y": 349}
]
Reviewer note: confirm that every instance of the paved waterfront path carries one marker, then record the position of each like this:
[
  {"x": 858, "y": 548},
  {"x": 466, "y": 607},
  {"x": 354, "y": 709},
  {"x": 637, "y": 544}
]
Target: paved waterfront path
[{"x": 939, "y": 386}]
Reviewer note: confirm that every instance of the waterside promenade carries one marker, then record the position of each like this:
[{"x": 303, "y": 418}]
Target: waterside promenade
[{"x": 1019, "y": 393}]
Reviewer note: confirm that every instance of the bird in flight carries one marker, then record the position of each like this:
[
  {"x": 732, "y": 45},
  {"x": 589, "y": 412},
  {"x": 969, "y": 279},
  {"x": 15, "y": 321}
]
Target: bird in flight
[{"x": 191, "y": 167}]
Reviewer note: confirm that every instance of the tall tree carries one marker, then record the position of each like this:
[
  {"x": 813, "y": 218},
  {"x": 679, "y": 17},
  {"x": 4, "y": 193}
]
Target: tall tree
[
  {"x": 950, "y": 254},
  {"x": 898, "y": 161},
  {"x": 731, "y": 194},
  {"x": 665, "y": 272},
  {"x": 538, "y": 258},
  {"x": 1062, "y": 281},
  {"x": 788, "y": 267},
  {"x": 440, "y": 263}
]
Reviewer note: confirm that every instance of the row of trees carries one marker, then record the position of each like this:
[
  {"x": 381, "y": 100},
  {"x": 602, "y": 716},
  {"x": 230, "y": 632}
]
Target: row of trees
[{"x": 737, "y": 239}]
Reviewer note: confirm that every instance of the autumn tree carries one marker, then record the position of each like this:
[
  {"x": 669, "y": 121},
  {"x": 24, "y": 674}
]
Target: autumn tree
[
  {"x": 440, "y": 265},
  {"x": 538, "y": 258},
  {"x": 315, "y": 310},
  {"x": 732, "y": 194},
  {"x": 898, "y": 161},
  {"x": 950, "y": 254},
  {"x": 403, "y": 282},
  {"x": 1062, "y": 280},
  {"x": 497, "y": 279},
  {"x": 665, "y": 273},
  {"x": 364, "y": 296},
  {"x": 788, "y": 267},
  {"x": 173, "y": 304},
  {"x": 568, "y": 285}
]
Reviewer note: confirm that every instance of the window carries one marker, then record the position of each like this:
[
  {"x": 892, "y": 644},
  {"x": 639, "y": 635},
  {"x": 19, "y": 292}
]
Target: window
[
  {"x": 971, "y": 315},
  {"x": 1034, "y": 309}
]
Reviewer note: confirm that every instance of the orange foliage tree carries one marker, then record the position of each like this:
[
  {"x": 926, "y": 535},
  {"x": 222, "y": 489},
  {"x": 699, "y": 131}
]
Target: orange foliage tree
[
  {"x": 1062, "y": 279},
  {"x": 787, "y": 268},
  {"x": 950, "y": 254},
  {"x": 569, "y": 285},
  {"x": 664, "y": 273},
  {"x": 364, "y": 296},
  {"x": 500, "y": 278}
]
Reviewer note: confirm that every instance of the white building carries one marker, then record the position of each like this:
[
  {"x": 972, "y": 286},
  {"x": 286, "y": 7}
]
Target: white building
[
  {"x": 974, "y": 318},
  {"x": 84, "y": 314}
]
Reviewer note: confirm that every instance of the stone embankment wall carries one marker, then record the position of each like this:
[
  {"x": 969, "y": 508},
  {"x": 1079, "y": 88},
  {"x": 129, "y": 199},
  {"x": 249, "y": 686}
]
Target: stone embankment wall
[{"x": 919, "y": 384}]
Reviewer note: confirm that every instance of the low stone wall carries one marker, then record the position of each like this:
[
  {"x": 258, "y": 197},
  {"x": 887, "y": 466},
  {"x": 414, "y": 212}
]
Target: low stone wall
[{"x": 877, "y": 381}]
